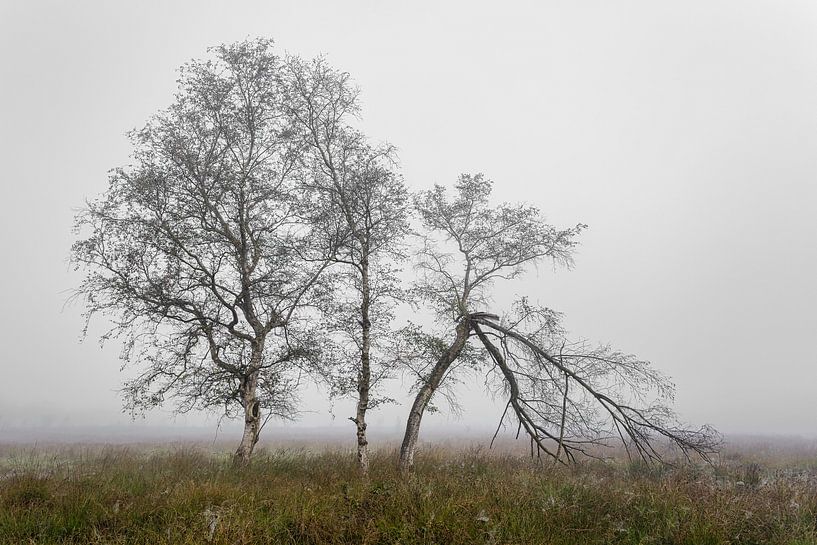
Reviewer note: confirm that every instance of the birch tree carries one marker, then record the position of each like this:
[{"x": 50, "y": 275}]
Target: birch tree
[
  {"x": 200, "y": 253},
  {"x": 353, "y": 185},
  {"x": 468, "y": 246},
  {"x": 569, "y": 398}
]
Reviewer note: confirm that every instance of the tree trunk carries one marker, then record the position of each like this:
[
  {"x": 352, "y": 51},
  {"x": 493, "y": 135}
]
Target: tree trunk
[
  {"x": 362, "y": 441},
  {"x": 252, "y": 411},
  {"x": 425, "y": 394},
  {"x": 364, "y": 379}
]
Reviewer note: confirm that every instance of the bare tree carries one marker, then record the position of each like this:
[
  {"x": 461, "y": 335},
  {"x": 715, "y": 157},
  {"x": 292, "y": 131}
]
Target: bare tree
[
  {"x": 469, "y": 245},
  {"x": 353, "y": 185},
  {"x": 570, "y": 398},
  {"x": 200, "y": 251}
]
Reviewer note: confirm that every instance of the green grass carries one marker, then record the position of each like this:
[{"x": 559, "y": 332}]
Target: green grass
[{"x": 455, "y": 497}]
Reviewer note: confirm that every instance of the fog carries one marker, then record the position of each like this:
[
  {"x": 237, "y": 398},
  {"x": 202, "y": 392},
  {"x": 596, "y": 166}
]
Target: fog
[{"x": 684, "y": 134}]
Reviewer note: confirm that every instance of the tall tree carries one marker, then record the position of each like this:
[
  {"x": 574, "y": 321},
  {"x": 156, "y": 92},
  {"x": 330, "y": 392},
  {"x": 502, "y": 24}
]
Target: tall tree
[
  {"x": 354, "y": 185},
  {"x": 200, "y": 251}
]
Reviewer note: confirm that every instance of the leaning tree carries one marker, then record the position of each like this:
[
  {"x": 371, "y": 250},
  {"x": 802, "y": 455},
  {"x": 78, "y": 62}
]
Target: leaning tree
[
  {"x": 202, "y": 253},
  {"x": 570, "y": 398}
]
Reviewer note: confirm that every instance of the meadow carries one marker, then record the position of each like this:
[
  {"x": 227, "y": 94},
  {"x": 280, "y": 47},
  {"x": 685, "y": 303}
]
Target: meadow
[{"x": 458, "y": 495}]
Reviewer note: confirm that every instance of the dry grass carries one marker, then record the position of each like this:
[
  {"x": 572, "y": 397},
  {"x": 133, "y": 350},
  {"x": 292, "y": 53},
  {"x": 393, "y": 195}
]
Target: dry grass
[{"x": 116, "y": 495}]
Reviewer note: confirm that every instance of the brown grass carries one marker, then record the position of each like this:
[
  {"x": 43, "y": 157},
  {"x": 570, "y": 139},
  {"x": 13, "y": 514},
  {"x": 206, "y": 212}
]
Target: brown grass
[{"x": 187, "y": 495}]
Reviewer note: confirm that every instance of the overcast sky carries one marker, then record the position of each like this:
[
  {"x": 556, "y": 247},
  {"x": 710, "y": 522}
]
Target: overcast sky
[{"x": 684, "y": 133}]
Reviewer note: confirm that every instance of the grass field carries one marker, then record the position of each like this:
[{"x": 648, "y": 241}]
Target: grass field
[{"x": 116, "y": 495}]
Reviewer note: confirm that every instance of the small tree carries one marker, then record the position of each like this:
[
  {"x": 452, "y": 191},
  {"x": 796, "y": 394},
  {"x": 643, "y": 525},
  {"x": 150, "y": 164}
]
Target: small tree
[
  {"x": 200, "y": 251},
  {"x": 469, "y": 245},
  {"x": 354, "y": 186}
]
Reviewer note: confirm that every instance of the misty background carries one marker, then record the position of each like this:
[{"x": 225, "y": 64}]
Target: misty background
[{"x": 683, "y": 133}]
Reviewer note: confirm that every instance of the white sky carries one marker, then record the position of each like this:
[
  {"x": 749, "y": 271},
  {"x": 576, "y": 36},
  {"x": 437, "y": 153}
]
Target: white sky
[{"x": 684, "y": 133}]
